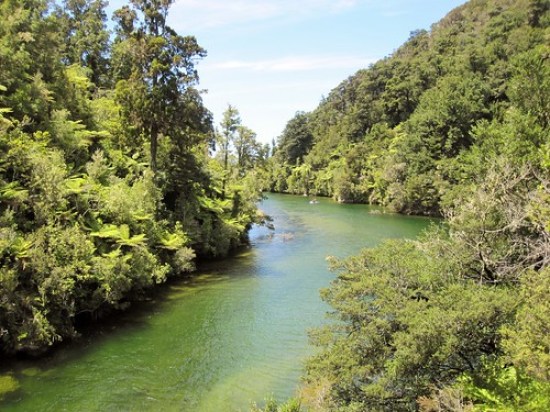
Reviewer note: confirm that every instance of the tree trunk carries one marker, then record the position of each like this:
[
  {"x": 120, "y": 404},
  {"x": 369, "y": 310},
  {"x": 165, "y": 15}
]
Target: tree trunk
[{"x": 154, "y": 145}]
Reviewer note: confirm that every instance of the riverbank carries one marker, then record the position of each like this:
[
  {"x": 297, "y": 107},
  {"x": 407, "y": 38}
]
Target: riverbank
[{"x": 223, "y": 338}]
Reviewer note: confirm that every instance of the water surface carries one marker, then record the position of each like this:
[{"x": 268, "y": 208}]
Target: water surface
[{"x": 234, "y": 333}]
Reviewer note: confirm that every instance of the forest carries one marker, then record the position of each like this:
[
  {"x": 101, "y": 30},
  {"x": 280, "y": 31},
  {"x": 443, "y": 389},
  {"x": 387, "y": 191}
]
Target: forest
[
  {"x": 114, "y": 178},
  {"x": 108, "y": 182},
  {"x": 455, "y": 123}
]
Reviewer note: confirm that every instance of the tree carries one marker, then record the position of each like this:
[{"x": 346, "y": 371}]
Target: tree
[
  {"x": 32, "y": 72},
  {"x": 247, "y": 148},
  {"x": 230, "y": 123},
  {"x": 417, "y": 317},
  {"x": 296, "y": 139},
  {"x": 87, "y": 37},
  {"x": 161, "y": 67},
  {"x": 481, "y": 63},
  {"x": 528, "y": 343},
  {"x": 530, "y": 87},
  {"x": 404, "y": 324},
  {"x": 85, "y": 225}
]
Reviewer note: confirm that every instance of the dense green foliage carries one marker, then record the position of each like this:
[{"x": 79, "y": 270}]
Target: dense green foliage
[
  {"x": 106, "y": 182},
  {"x": 107, "y": 187},
  {"x": 464, "y": 305},
  {"x": 402, "y": 132},
  {"x": 455, "y": 122}
]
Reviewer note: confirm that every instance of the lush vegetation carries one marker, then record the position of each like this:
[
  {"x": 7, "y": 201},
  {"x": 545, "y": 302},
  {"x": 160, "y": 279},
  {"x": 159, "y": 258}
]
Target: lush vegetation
[
  {"x": 458, "y": 317},
  {"x": 107, "y": 185},
  {"x": 113, "y": 178},
  {"x": 454, "y": 123},
  {"x": 271, "y": 405},
  {"x": 407, "y": 130}
]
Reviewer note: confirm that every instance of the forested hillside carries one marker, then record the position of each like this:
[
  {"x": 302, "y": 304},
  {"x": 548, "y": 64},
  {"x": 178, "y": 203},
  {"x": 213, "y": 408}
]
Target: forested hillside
[
  {"x": 455, "y": 123},
  {"x": 106, "y": 182},
  {"x": 408, "y": 130}
]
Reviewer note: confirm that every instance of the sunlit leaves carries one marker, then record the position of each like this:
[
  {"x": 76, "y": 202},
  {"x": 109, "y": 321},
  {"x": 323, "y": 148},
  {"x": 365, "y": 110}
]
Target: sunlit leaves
[
  {"x": 503, "y": 387},
  {"x": 528, "y": 343},
  {"x": 451, "y": 99},
  {"x": 13, "y": 192},
  {"x": 85, "y": 224}
]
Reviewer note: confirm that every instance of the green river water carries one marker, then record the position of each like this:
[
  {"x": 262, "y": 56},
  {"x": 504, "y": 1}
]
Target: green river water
[{"x": 234, "y": 333}]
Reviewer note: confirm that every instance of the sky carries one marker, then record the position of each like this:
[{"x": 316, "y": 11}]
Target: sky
[{"x": 272, "y": 58}]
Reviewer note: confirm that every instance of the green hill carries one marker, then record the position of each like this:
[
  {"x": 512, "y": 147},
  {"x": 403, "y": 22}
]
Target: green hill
[
  {"x": 407, "y": 130},
  {"x": 456, "y": 122}
]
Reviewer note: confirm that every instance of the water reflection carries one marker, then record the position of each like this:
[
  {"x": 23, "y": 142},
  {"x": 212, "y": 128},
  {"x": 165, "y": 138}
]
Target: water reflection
[{"x": 234, "y": 333}]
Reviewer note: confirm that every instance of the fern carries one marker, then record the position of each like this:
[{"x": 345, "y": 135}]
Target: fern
[
  {"x": 14, "y": 192},
  {"x": 172, "y": 241},
  {"x": 108, "y": 231},
  {"x": 75, "y": 184},
  {"x": 133, "y": 241}
]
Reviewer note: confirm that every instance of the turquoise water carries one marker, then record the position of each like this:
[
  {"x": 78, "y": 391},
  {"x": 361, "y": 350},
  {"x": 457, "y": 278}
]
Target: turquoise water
[{"x": 233, "y": 334}]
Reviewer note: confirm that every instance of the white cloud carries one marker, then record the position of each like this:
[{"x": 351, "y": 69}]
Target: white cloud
[
  {"x": 295, "y": 64},
  {"x": 217, "y": 13}
]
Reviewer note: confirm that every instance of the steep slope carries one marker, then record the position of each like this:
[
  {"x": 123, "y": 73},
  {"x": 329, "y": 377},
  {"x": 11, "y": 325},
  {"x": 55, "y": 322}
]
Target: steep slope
[
  {"x": 398, "y": 133},
  {"x": 455, "y": 122},
  {"x": 106, "y": 184}
]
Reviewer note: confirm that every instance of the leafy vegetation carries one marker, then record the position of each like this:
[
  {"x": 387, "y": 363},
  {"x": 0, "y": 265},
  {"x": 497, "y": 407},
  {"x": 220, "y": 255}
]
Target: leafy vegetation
[
  {"x": 113, "y": 178},
  {"x": 454, "y": 123},
  {"x": 456, "y": 320},
  {"x": 271, "y": 405},
  {"x": 107, "y": 185},
  {"x": 404, "y": 132}
]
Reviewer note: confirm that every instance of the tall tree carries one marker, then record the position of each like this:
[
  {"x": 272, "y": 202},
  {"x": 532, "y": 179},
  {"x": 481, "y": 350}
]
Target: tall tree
[
  {"x": 296, "y": 140},
  {"x": 247, "y": 148},
  {"x": 161, "y": 67},
  {"x": 86, "y": 36},
  {"x": 231, "y": 121},
  {"x": 31, "y": 69}
]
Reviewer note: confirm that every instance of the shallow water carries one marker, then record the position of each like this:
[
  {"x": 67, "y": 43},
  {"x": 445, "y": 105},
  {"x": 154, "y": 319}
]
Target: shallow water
[{"x": 233, "y": 334}]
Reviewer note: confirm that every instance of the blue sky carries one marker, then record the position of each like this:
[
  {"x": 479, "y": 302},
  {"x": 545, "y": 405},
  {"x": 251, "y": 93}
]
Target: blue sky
[{"x": 271, "y": 58}]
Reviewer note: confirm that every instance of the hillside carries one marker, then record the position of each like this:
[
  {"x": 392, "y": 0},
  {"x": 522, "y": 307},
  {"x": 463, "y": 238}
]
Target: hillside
[
  {"x": 407, "y": 130},
  {"x": 107, "y": 186},
  {"x": 456, "y": 122}
]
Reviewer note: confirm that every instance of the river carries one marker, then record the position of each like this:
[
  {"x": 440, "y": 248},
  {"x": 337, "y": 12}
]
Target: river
[{"x": 234, "y": 333}]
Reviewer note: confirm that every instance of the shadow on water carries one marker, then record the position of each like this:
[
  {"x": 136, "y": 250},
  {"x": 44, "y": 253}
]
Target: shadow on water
[
  {"x": 233, "y": 332},
  {"x": 130, "y": 321}
]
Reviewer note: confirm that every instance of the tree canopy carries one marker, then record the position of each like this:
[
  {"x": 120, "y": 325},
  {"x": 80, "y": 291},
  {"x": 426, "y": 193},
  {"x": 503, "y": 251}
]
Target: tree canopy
[
  {"x": 396, "y": 133},
  {"x": 455, "y": 124},
  {"x": 107, "y": 186}
]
